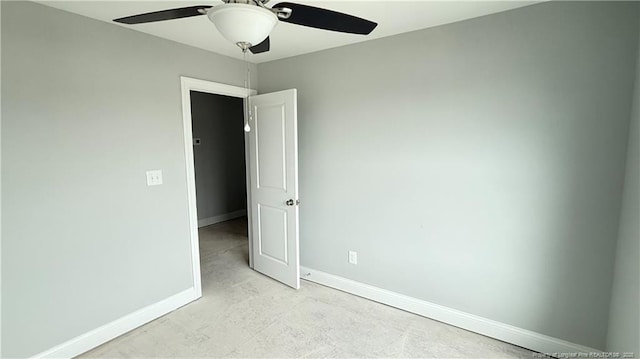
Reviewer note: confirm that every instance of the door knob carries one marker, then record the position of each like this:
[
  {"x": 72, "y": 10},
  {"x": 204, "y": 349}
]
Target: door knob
[{"x": 289, "y": 202}]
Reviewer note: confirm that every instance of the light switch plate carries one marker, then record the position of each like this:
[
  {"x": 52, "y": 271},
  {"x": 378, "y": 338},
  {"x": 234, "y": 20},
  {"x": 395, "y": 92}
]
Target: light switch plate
[{"x": 154, "y": 177}]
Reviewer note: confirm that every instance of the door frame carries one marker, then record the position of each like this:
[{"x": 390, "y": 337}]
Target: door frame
[{"x": 188, "y": 84}]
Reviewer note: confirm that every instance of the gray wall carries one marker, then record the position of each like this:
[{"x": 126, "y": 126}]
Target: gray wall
[
  {"x": 219, "y": 159},
  {"x": 624, "y": 320},
  {"x": 476, "y": 165},
  {"x": 87, "y": 108}
]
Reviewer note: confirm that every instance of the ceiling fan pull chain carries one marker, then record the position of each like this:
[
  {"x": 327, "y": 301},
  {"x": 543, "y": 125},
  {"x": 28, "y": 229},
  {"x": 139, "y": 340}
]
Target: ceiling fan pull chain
[{"x": 247, "y": 83}]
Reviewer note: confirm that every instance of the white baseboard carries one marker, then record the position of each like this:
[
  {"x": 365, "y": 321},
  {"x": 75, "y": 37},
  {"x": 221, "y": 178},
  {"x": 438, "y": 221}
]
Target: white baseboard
[
  {"x": 103, "y": 334},
  {"x": 510, "y": 334},
  {"x": 221, "y": 218}
]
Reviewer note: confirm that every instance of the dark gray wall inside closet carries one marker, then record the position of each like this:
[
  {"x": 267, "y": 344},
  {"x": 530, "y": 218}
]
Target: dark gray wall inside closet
[{"x": 219, "y": 158}]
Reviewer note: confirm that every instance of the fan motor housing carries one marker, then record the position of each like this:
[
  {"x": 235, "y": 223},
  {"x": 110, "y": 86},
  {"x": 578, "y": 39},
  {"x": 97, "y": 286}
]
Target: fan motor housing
[{"x": 249, "y": 2}]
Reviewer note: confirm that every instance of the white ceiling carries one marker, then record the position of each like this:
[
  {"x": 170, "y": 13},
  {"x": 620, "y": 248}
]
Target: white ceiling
[{"x": 393, "y": 17}]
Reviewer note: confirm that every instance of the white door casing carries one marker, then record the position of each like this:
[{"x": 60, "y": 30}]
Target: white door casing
[
  {"x": 273, "y": 146},
  {"x": 187, "y": 85}
]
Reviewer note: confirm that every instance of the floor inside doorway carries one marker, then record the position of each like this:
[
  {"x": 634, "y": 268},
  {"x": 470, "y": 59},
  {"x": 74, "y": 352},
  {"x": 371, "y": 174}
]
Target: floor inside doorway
[{"x": 245, "y": 314}]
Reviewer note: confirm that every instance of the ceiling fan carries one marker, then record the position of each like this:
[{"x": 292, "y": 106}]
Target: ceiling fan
[{"x": 248, "y": 23}]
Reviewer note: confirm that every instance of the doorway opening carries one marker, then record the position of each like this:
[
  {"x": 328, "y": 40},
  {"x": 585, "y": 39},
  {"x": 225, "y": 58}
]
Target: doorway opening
[{"x": 221, "y": 193}]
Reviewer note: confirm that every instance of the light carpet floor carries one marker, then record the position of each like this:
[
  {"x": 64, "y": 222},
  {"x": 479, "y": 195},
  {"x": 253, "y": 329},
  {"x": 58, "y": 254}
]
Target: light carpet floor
[{"x": 245, "y": 314}]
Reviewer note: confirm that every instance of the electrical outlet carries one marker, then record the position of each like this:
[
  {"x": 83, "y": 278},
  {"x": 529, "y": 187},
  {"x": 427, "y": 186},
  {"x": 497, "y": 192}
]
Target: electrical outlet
[
  {"x": 353, "y": 257},
  {"x": 154, "y": 178}
]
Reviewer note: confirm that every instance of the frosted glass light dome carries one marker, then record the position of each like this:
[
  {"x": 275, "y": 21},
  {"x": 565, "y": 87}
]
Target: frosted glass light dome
[{"x": 242, "y": 23}]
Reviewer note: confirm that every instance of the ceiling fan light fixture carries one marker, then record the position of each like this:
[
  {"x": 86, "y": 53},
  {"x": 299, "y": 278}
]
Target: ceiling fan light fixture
[{"x": 243, "y": 24}]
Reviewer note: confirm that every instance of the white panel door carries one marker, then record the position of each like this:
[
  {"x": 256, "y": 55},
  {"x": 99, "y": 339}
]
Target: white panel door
[{"x": 273, "y": 166}]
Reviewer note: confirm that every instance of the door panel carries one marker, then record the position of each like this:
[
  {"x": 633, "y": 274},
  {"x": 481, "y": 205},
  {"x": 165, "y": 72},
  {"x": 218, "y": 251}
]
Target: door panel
[
  {"x": 271, "y": 155},
  {"x": 273, "y": 164},
  {"x": 272, "y": 224}
]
